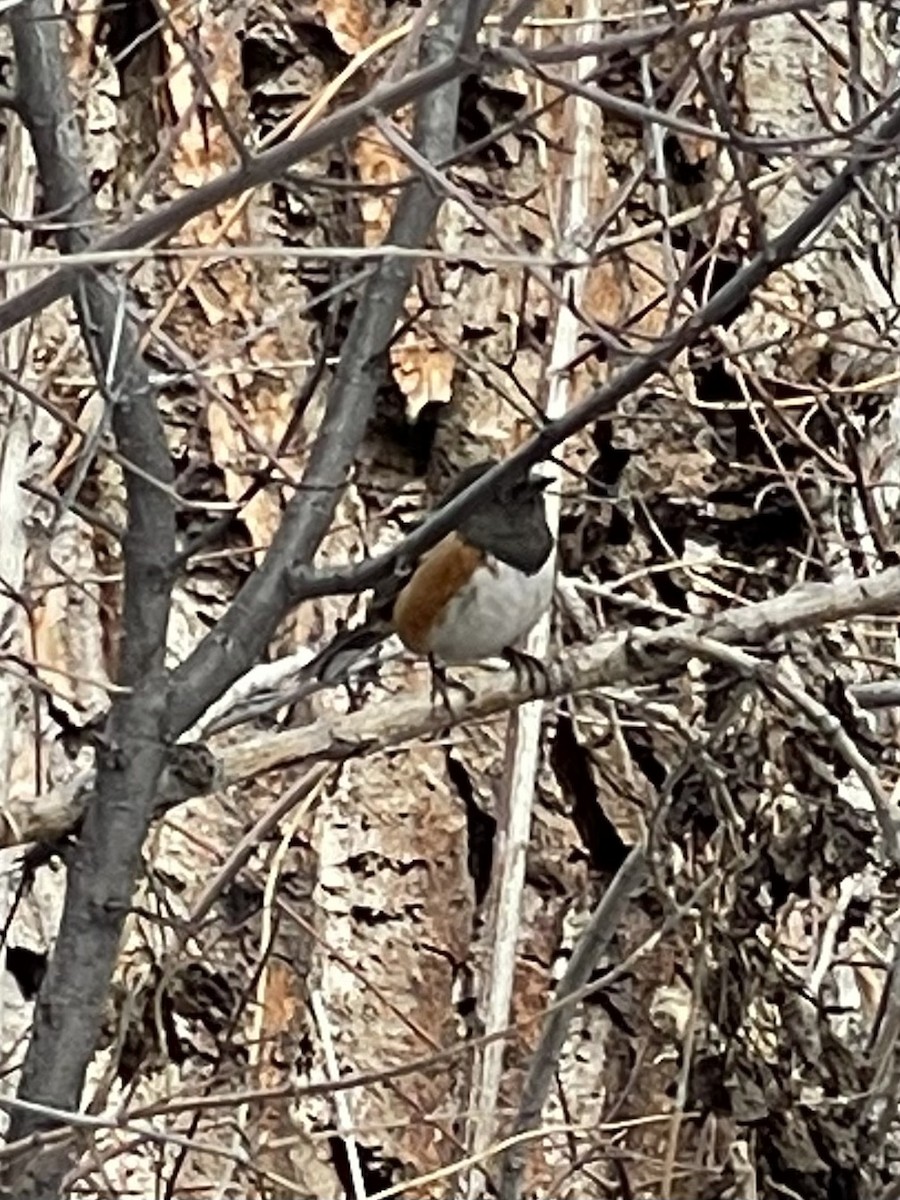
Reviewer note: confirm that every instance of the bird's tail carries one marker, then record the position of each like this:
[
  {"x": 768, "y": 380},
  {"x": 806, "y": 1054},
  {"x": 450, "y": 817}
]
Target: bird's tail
[{"x": 345, "y": 650}]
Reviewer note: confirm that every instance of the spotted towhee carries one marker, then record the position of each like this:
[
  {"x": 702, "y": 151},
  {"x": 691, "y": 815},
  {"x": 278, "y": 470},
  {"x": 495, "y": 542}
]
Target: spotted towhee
[{"x": 475, "y": 593}]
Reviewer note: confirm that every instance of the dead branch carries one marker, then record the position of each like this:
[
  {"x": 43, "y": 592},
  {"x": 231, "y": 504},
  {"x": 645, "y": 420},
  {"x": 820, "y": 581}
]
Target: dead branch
[
  {"x": 597, "y": 935},
  {"x": 642, "y": 40},
  {"x": 242, "y": 634},
  {"x": 624, "y": 659},
  {"x": 106, "y": 862}
]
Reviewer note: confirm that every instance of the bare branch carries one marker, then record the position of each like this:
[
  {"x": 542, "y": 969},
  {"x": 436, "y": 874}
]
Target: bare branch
[
  {"x": 106, "y": 862},
  {"x": 645, "y": 39},
  {"x": 259, "y": 169},
  {"x": 597, "y": 935},
  {"x": 107, "y": 859},
  {"x": 637, "y": 657},
  {"x": 242, "y": 634}
]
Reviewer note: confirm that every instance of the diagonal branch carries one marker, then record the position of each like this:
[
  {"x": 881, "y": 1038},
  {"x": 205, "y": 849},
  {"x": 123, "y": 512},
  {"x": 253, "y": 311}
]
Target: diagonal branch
[
  {"x": 591, "y": 945},
  {"x": 243, "y": 633},
  {"x": 260, "y": 169},
  {"x": 106, "y": 863},
  {"x": 304, "y": 583}
]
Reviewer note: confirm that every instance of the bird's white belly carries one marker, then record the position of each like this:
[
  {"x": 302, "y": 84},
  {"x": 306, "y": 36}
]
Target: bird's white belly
[{"x": 498, "y": 607}]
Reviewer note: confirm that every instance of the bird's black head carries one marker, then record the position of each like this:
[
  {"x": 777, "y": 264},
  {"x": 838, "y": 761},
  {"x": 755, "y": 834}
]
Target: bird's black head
[{"x": 510, "y": 521}]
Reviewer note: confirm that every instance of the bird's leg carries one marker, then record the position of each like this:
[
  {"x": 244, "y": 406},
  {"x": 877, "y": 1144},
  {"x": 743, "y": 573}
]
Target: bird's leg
[
  {"x": 441, "y": 684},
  {"x": 356, "y": 688},
  {"x": 356, "y": 676}
]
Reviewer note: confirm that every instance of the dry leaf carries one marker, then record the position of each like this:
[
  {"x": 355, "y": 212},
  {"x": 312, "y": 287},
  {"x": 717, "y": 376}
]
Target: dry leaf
[{"x": 348, "y": 22}]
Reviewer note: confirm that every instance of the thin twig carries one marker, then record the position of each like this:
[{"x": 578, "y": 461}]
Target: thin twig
[{"x": 598, "y": 933}]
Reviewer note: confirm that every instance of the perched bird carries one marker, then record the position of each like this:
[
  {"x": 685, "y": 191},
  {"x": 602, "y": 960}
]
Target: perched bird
[{"x": 473, "y": 595}]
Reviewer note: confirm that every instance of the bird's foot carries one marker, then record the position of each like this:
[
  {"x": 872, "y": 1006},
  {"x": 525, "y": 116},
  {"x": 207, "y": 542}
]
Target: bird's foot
[{"x": 530, "y": 671}]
